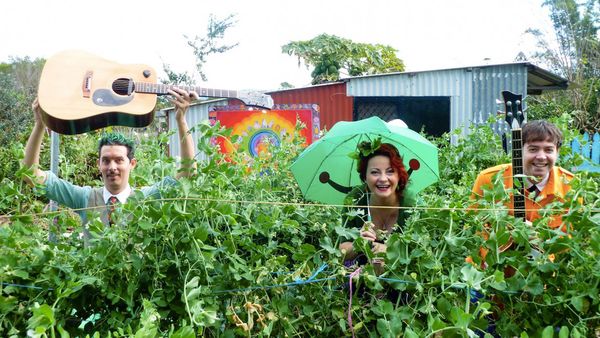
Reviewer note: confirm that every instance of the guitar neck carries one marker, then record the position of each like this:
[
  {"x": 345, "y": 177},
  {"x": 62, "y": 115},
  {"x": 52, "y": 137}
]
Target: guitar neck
[
  {"x": 162, "y": 89},
  {"x": 517, "y": 171}
]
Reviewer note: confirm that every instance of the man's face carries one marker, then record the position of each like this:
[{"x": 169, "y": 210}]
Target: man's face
[
  {"x": 539, "y": 158},
  {"x": 115, "y": 167}
]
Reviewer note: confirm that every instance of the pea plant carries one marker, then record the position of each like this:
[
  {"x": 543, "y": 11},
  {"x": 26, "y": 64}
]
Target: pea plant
[{"x": 235, "y": 250}]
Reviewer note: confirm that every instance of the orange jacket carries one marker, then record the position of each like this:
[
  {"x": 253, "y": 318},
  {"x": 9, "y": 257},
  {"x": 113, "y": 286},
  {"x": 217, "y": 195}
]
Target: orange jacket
[{"x": 555, "y": 190}]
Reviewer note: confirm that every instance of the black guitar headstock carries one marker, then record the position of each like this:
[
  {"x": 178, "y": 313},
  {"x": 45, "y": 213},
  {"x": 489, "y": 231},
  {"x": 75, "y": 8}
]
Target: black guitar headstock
[{"x": 513, "y": 107}]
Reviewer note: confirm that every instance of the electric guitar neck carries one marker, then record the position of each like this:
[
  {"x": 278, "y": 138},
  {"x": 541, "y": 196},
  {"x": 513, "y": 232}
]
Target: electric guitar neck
[{"x": 513, "y": 105}]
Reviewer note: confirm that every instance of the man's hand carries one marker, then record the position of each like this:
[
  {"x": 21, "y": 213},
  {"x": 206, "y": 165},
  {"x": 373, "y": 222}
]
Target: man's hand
[
  {"x": 182, "y": 100},
  {"x": 37, "y": 112}
]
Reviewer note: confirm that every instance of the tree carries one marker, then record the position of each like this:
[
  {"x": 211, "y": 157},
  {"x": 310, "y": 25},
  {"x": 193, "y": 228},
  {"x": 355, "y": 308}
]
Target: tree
[
  {"x": 332, "y": 56},
  {"x": 203, "y": 46},
  {"x": 576, "y": 56},
  {"x": 18, "y": 86}
]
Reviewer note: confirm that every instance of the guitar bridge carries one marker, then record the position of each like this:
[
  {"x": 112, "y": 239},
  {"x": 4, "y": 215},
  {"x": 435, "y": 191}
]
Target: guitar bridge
[{"x": 86, "y": 86}]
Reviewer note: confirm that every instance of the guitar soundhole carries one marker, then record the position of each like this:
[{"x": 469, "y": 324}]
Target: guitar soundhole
[{"x": 123, "y": 86}]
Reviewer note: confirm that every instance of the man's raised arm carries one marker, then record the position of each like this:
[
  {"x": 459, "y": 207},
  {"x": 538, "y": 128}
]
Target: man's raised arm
[
  {"x": 34, "y": 143},
  {"x": 181, "y": 100}
]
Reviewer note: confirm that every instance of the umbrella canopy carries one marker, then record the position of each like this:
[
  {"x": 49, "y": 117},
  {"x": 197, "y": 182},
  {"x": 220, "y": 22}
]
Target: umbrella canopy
[{"x": 325, "y": 171}]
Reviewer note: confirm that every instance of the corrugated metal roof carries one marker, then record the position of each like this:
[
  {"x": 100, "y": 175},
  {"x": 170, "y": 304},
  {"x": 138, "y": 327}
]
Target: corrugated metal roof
[
  {"x": 333, "y": 83},
  {"x": 538, "y": 80}
]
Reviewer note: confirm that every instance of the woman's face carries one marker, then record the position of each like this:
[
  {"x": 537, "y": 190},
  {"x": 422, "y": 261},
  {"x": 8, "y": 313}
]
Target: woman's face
[{"x": 381, "y": 177}]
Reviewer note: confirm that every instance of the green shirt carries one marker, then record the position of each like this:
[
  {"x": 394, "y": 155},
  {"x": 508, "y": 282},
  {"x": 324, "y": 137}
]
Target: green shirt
[{"x": 78, "y": 197}]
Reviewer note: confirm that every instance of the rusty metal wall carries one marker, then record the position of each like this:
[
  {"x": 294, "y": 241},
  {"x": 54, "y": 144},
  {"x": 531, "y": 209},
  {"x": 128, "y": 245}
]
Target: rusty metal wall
[{"x": 332, "y": 100}]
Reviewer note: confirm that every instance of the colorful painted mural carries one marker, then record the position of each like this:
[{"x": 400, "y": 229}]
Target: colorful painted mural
[{"x": 253, "y": 130}]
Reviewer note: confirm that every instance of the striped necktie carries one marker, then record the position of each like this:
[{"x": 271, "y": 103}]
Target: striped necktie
[{"x": 112, "y": 204}]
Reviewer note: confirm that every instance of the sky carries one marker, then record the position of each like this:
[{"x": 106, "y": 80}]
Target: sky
[{"x": 428, "y": 34}]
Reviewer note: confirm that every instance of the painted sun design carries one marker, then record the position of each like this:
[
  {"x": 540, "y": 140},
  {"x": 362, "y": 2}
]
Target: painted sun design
[{"x": 256, "y": 131}]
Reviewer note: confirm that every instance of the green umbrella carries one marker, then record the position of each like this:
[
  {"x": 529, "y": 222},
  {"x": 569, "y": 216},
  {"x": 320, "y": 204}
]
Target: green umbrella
[{"x": 325, "y": 171}]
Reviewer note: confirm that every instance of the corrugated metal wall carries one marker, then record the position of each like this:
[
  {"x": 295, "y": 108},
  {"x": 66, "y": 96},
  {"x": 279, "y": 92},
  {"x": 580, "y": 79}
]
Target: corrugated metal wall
[
  {"x": 472, "y": 91},
  {"x": 455, "y": 83},
  {"x": 332, "y": 100},
  {"x": 197, "y": 113},
  {"x": 488, "y": 83}
]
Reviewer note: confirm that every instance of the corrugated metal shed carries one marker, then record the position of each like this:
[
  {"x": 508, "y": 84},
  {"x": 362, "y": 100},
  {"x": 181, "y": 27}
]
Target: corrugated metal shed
[
  {"x": 333, "y": 102},
  {"x": 472, "y": 91},
  {"x": 196, "y": 114}
]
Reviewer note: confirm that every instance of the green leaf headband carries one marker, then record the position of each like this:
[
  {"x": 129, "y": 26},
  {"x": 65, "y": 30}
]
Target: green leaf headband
[{"x": 365, "y": 148}]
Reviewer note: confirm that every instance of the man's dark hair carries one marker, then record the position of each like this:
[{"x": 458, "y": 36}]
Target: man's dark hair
[
  {"x": 117, "y": 139},
  {"x": 540, "y": 130}
]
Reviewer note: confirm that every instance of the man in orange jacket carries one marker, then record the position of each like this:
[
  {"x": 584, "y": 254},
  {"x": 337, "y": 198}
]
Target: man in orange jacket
[{"x": 547, "y": 182}]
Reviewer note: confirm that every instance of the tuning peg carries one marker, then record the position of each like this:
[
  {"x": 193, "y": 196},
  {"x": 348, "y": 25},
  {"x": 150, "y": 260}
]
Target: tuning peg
[{"x": 509, "y": 104}]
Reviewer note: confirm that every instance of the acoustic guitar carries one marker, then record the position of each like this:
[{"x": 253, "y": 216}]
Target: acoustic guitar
[
  {"x": 80, "y": 92},
  {"x": 513, "y": 107}
]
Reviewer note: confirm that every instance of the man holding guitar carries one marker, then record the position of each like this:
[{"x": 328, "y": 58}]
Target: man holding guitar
[
  {"x": 545, "y": 182},
  {"x": 115, "y": 162}
]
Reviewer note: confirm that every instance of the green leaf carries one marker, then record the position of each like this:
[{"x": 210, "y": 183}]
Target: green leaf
[
  {"x": 580, "y": 303},
  {"x": 409, "y": 333},
  {"x": 471, "y": 276},
  {"x": 327, "y": 245},
  {"x": 498, "y": 281},
  {"x": 548, "y": 332},
  {"x": 534, "y": 285},
  {"x": 564, "y": 332},
  {"x": 184, "y": 332}
]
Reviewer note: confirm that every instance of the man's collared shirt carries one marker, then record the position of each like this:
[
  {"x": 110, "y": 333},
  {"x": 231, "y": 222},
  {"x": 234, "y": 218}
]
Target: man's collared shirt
[{"x": 122, "y": 196}]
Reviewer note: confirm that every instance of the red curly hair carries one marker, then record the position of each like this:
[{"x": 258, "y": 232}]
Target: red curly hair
[{"x": 396, "y": 162}]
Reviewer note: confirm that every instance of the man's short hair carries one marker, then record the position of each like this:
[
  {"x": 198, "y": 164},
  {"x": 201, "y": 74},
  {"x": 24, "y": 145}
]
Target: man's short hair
[
  {"x": 540, "y": 130},
  {"x": 117, "y": 139}
]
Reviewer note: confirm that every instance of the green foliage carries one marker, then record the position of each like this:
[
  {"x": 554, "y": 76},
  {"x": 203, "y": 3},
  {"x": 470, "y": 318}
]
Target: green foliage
[
  {"x": 18, "y": 86},
  {"x": 329, "y": 55},
  {"x": 575, "y": 57},
  {"x": 230, "y": 250}
]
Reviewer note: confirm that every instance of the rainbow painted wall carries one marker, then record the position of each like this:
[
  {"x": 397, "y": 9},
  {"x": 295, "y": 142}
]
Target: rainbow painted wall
[{"x": 253, "y": 129}]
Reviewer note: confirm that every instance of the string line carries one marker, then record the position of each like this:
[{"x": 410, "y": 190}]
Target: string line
[{"x": 231, "y": 201}]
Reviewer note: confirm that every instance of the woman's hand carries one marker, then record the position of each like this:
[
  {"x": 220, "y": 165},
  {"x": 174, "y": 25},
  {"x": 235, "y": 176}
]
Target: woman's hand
[
  {"x": 368, "y": 232},
  {"x": 379, "y": 249}
]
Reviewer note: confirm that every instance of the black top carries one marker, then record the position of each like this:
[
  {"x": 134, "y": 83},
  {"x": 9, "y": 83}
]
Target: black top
[{"x": 358, "y": 196}]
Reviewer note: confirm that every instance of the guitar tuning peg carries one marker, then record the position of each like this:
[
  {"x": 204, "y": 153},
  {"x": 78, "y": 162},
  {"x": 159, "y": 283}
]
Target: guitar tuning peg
[
  {"x": 509, "y": 103},
  {"x": 518, "y": 102},
  {"x": 509, "y": 114}
]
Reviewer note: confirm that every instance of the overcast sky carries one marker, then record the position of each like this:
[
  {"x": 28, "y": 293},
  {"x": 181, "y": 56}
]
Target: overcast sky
[{"x": 428, "y": 34}]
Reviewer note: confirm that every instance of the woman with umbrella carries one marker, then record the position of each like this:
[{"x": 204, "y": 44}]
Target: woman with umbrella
[
  {"x": 325, "y": 173},
  {"x": 382, "y": 171}
]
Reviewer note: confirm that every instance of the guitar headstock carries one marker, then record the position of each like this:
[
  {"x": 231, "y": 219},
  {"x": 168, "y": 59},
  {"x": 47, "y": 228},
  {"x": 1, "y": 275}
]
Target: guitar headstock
[{"x": 513, "y": 108}]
